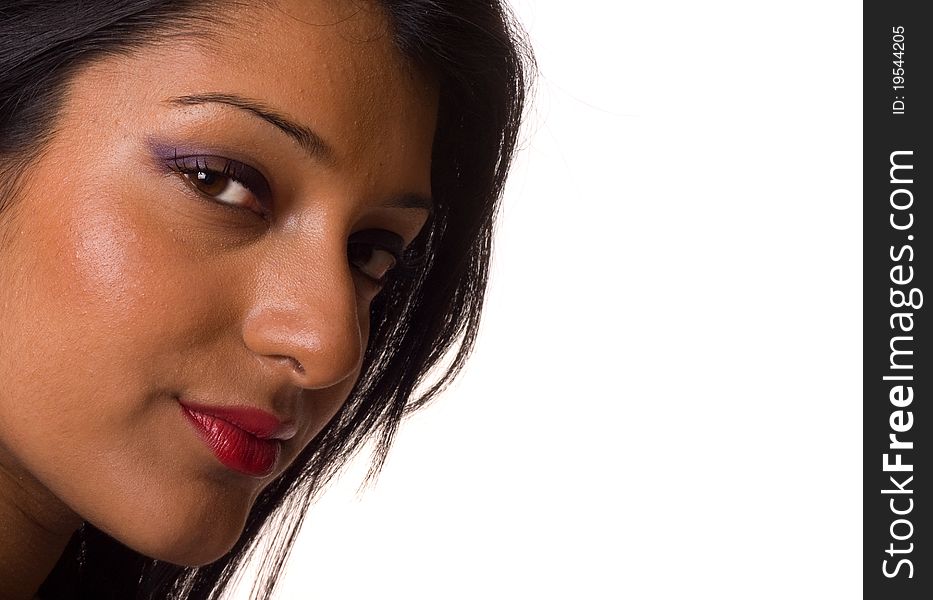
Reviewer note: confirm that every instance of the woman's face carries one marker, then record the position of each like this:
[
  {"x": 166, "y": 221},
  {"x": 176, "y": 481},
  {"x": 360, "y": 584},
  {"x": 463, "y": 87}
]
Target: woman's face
[{"x": 179, "y": 240}]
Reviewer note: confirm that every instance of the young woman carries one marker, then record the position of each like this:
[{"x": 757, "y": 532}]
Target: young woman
[{"x": 235, "y": 237}]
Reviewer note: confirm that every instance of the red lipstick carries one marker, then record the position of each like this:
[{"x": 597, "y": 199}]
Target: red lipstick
[{"x": 243, "y": 439}]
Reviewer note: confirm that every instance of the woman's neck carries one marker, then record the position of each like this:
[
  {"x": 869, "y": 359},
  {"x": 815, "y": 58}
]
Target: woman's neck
[{"x": 34, "y": 529}]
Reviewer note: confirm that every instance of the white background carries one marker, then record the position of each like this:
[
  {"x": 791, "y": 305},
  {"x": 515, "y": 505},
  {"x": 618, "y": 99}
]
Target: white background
[{"x": 665, "y": 401}]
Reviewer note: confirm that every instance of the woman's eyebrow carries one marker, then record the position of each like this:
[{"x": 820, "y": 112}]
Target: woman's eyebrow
[
  {"x": 312, "y": 143},
  {"x": 418, "y": 201}
]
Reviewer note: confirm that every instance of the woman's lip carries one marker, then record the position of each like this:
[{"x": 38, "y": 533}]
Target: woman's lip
[
  {"x": 252, "y": 420},
  {"x": 234, "y": 447}
]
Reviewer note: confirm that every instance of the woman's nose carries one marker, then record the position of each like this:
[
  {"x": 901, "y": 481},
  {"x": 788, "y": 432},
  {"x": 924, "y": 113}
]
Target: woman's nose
[{"x": 304, "y": 319}]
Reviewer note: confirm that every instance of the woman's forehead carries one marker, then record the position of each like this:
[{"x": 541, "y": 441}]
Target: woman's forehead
[{"x": 331, "y": 67}]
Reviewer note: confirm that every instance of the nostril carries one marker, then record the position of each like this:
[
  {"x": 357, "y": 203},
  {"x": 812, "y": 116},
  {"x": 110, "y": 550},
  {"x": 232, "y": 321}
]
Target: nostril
[{"x": 297, "y": 365}]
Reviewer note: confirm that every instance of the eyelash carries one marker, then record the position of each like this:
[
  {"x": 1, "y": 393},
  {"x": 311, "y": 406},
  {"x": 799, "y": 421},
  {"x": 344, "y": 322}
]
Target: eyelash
[
  {"x": 246, "y": 176},
  {"x": 404, "y": 265}
]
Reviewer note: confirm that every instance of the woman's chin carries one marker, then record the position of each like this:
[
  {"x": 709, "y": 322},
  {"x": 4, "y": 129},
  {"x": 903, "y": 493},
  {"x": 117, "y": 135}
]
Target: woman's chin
[
  {"x": 195, "y": 556},
  {"x": 192, "y": 548},
  {"x": 192, "y": 538}
]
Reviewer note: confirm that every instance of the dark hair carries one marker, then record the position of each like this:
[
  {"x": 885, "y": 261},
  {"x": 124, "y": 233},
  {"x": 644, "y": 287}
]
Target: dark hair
[{"x": 482, "y": 64}]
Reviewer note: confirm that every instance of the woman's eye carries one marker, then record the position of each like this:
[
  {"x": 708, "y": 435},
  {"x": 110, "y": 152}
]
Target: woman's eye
[
  {"x": 228, "y": 182},
  {"x": 374, "y": 253},
  {"x": 220, "y": 187}
]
